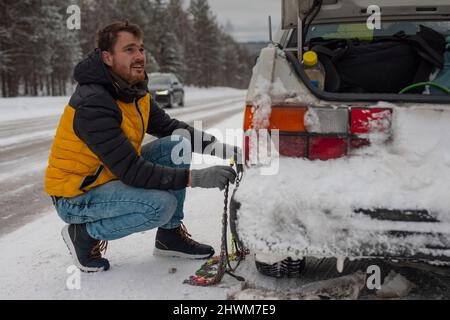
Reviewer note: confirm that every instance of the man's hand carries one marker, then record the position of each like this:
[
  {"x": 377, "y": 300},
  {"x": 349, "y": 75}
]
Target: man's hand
[
  {"x": 213, "y": 177},
  {"x": 227, "y": 151}
]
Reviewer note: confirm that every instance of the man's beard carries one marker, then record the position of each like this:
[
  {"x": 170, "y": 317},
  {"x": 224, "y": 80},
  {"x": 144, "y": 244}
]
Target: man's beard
[{"x": 136, "y": 77}]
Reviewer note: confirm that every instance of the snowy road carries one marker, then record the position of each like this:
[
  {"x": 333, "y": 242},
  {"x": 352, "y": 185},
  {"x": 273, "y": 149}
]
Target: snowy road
[{"x": 25, "y": 144}]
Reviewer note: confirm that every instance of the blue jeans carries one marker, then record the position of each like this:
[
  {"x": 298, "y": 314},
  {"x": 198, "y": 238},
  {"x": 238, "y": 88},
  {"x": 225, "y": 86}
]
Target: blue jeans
[{"x": 116, "y": 210}]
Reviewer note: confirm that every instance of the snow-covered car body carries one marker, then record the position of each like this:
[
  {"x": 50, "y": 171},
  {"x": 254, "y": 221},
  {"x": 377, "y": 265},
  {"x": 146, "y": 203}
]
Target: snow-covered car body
[{"x": 358, "y": 175}]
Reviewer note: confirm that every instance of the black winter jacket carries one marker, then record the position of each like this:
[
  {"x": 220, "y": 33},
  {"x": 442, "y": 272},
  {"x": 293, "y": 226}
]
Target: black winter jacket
[{"x": 97, "y": 123}]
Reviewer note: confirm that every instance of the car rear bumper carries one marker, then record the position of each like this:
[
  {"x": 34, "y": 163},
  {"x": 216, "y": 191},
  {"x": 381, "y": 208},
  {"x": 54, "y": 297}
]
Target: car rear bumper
[
  {"x": 403, "y": 235},
  {"x": 163, "y": 100}
]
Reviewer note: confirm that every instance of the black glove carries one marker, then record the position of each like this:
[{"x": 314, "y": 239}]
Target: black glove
[
  {"x": 213, "y": 177},
  {"x": 227, "y": 151}
]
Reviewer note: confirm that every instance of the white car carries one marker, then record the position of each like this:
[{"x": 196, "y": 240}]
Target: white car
[{"x": 364, "y": 163}]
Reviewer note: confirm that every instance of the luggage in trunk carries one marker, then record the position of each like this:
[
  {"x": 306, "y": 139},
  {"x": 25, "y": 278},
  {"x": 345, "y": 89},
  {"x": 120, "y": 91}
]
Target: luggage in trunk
[{"x": 384, "y": 65}]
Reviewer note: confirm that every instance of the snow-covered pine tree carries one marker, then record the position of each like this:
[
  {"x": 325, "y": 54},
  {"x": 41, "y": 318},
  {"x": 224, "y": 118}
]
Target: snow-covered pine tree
[
  {"x": 181, "y": 27},
  {"x": 36, "y": 47},
  {"x": 64, "y": 46},
  {"x": 95, "y": 14},
  {"x": 170, "y": 55},
  {"x": 246, "y": 63},
  {"x": 19, "y": 42},
  {"x": 38, "y": 52},
  {"x": 204, "y": 50},
  {"x": 229, "y": 61},
  {"x": 167, "y": 49},
  {"x": 140, "y": 12},
  {"x": 7, "y": 25}
]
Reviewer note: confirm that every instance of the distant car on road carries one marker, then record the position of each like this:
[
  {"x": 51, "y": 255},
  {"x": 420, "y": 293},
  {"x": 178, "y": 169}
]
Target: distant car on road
[{"x": 167, "y": 90}]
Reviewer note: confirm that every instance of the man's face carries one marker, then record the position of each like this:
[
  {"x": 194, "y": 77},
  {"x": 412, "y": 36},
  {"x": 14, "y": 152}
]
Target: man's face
[{"x": 128, "y": 59}]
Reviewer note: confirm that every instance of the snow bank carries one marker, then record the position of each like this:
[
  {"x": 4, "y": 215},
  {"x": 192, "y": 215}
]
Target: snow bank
[
  {"x": 308, "y": 207},
  {"x": 196, "y": 94},
  {"x": 31, "y": 107}
]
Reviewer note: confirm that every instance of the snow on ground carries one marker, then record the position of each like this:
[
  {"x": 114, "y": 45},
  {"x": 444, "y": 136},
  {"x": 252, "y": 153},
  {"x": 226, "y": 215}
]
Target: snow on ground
[
  {"x": 194, "y": 94},
  {"x": 35, "y": 259},
  {"x": 32, "y": 107},
  {"x": 26, "y": 137},
  {"x": 309, "y": 204}
]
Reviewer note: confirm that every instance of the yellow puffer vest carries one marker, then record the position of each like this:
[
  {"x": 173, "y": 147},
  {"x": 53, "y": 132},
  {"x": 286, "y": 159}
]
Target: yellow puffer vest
[{"x": 71, "y": 162}]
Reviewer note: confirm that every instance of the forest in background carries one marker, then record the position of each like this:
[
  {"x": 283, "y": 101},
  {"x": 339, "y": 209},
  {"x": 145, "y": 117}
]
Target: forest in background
[{"x": 38, "y": 52}]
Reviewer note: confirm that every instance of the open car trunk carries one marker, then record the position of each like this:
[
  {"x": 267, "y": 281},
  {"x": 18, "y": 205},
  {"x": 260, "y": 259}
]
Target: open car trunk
[{"x": 406, "y": 58}]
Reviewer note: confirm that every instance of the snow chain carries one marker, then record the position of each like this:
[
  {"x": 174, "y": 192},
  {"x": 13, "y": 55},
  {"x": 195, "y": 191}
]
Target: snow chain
[{"x": 212, "y": 272}]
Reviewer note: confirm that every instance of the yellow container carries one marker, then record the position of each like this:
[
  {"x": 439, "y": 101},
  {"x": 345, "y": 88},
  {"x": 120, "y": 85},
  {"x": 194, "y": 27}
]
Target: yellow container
[{"x": 314, "y": 69}]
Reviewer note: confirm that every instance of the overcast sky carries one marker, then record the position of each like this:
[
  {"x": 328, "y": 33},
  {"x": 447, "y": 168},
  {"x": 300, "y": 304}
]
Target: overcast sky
[{"x": 248, "y": 17}]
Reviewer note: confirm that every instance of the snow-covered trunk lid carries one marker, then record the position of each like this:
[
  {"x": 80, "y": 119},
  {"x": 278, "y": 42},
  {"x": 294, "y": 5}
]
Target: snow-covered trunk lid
[{"x": 345, "y": 11}]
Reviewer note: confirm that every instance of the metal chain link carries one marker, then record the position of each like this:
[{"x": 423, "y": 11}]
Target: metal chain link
[{"x": 224, "y": 259}]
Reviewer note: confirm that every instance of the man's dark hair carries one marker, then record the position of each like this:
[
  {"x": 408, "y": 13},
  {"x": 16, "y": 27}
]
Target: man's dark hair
[{"x": 107, "y": 37}]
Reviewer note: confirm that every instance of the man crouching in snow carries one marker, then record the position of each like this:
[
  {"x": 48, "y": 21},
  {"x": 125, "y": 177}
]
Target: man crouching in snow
[{"x": 103, "y": 183}]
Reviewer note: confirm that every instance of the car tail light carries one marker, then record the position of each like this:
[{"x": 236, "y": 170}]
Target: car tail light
[
  {"x": 364, "y": 120},
  {"x": 293, "y": 146},
  {"x": 248, "y": 118},
  {"x": 288, "y": 119},
  {"x": 327, "y": 120},
  {"x": 246, "y": 148},
  {"x": 320, "y": 133},
  {"x": 325, "y": 148},
  {"x": 285, "y": 119}
]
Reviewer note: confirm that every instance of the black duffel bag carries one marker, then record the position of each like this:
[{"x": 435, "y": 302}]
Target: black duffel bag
[{"x": 384, "y": 65}]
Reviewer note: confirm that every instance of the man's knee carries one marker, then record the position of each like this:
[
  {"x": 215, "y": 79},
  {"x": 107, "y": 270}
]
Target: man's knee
[
  {"x": 164, "y": 209},
  {"x": 180, "y": 150},
  {"x": 174, "y": 151}
]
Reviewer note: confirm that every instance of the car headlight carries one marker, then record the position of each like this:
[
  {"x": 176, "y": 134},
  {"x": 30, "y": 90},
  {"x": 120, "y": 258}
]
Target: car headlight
[{"x": 162, "y": 92}]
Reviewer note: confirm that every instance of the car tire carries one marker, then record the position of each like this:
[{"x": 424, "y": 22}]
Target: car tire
[
  {"x": 287, "y": 268},
  {"x": 182, "y": 100},
  {"x": 317, "y": 269},
  {"x": 170, "y": 104}
]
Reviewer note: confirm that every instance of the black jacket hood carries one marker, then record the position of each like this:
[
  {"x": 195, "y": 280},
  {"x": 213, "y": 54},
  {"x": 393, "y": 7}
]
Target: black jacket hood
[{"x": 92, "y": 70}]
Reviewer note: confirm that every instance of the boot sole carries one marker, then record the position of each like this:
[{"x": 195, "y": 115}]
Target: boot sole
[
  {"x": 68, "y": 241},
  {"x": 176, "y": 254}
]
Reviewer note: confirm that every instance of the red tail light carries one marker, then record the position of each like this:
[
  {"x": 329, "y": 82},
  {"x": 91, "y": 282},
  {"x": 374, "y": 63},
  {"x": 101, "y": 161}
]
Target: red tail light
[
  {"x": 247, "y": 148},
  {"x": 321, "y": 133},
  {"x": 325, "y": 148},
  {"x": 363, "y": 121},
  {"x": 293, "y": 146}
]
